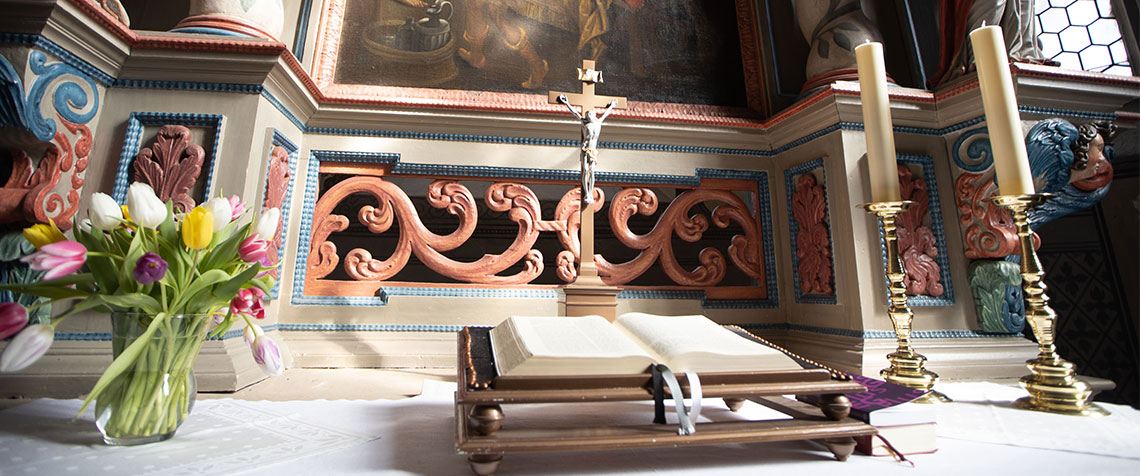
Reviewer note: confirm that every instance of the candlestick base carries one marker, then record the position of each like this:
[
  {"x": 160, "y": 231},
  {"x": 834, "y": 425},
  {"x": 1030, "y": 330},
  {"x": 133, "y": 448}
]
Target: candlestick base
[
  {"x": 906, "y": 365},
  {"x": 1051, "y": 384}
]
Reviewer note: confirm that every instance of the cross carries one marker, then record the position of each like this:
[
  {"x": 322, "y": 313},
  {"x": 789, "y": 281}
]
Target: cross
[
  {"x": 591, "y": 105},
  {"x": 587, "y": 99}
]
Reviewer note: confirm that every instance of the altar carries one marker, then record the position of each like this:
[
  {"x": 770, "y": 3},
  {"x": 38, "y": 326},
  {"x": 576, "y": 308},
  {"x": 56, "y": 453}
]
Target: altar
[{"x": 978, "y": 434}]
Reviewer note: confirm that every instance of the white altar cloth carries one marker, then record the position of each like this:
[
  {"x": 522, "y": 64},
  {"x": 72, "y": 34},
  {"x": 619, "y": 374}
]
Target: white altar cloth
[{"x": 979, "y": 434}]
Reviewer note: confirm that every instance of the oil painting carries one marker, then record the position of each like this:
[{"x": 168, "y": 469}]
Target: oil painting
[{"x": 659, "y": 51}]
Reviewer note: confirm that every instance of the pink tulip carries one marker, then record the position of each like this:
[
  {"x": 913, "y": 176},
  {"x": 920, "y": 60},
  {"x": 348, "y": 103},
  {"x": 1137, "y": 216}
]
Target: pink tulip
[
  {"x": 253, "y": 249},
  {"x": 248, "y": 301},
  {"x": 26, "y": 348},
  {"x": 58, "y": 259},
  {"x": 13, "y": 318},
  {"x": 237, "y": 206},
  {"x": 267, "y": 356}
]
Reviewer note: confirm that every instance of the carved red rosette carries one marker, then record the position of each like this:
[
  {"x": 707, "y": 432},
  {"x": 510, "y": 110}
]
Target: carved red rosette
[
  {"x": 277, "y": 185},
  {"x": 917, "y": 245},
  {"x": 171, "y": 165},
  {"x": 813, "y": 243}
]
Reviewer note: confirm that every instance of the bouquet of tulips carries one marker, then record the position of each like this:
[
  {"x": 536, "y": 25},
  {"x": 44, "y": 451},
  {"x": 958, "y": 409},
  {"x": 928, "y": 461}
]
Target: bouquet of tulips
[{"x": 170, "y": 280}]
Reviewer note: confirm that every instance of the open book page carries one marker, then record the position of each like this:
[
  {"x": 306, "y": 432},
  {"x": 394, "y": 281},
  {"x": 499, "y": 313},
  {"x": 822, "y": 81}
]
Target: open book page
[
  {"x": 698, "y": 344},
  {"x": 587, "y": 345}
]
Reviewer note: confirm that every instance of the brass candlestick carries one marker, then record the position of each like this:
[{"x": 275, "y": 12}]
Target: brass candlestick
[
  {"x": 1052, "y": 385},
  {"x": 906, "y": 365}
]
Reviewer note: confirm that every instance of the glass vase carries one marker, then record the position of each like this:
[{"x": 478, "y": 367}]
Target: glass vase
[{"x": 154, "y": 395}]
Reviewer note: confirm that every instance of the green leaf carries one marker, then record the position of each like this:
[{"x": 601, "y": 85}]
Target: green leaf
[
  {"x": 13, "y": 246},
  {"x": 124, "y": 360},
  {"x": 137, "y": 301},
  {"x": 226, "y": 250},
  {"x": 199, "y": 284},
  {"x": 265, "y": 283},
  {"x": 167, "y": 230},
  {"x": 230, "y": 288}
]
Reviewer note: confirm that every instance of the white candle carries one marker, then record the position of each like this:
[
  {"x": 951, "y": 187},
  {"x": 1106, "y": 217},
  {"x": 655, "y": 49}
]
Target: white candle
[
  {"x": 881, "y": 160},
  {"x": 1006, "y": 139}
]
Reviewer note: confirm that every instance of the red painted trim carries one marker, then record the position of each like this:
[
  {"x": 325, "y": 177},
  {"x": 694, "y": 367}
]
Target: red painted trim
[{"x": 225, "y": 22}]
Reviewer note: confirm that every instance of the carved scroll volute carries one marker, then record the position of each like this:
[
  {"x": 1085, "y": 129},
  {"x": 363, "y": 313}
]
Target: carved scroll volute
[
  {"x": 917, "y": 245},
  {"x": 275, "y": 191},
  {"x": 171, "y": 165},
  {"x": 989, "y": 229},
  {"x": 566, "y": 223},
  {"x": 31, "y": 195},
  {"x": 655, "y": 245},
  {"x": 813, "y": 243}
]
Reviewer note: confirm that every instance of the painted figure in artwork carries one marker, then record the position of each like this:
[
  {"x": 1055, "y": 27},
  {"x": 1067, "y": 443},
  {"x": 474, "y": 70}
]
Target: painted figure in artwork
[
  {"x": 591, "y": 130},
  {"x": 589, "y": 19}
]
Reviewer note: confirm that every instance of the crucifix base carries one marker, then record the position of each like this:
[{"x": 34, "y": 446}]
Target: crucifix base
[{"x": 589, "y": 296}]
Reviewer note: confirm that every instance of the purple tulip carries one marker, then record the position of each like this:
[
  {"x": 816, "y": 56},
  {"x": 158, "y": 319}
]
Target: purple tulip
[
  {"x": 149, "y": 268},
  {"x": 26, "y": 348},
  {"x": 13, "y": 317}
]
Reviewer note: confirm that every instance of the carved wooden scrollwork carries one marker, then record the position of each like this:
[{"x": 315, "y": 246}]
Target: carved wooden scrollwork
[
  {"x": 518, "y": 201},
  {"x": 655, "y": 245},
  {"x": 31, "y": 194},
  {"x": 917, "y": 244},
  {"x": 813, "y": 243},
  {"x": 171, "y": 165},
  {"x": 275, "y": 190},
  {"x": 989, "y": 229},
  {"x": 381, "y": 206}
]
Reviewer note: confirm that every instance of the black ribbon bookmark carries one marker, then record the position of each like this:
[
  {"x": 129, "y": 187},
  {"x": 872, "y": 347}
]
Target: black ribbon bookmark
[{"x": 658, "y": 395}]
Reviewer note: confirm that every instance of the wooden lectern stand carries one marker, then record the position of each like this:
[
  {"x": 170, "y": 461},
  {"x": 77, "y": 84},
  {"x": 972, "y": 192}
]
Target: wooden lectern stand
[{"x": 482, "y": 434}]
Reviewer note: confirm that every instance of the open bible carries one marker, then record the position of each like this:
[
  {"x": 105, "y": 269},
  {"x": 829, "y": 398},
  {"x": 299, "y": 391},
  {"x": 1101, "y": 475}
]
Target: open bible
[{"x": 591, "y": 345}]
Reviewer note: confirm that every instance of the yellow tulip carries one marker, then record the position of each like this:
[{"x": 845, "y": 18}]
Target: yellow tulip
[
  {"x": 41, "y": 234},
  {"x": 126, "y": 216},
  {"x": 197, "y": 228}
]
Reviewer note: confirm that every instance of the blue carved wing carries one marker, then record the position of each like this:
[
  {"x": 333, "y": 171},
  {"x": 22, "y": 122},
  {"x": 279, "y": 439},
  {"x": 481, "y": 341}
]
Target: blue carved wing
[
  {"x": 12, "y": 106},
  {"x": 1049, "y": 145}
]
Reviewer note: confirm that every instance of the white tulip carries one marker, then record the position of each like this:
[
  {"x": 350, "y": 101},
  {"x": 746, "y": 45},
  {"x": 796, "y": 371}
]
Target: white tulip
[
  {"x": 267, "y": 356},
  {"x": 221, "y": 210},
  {"x": 85, "y": 225},
  {"x": 144, "y": 206},
  {"x": 251, "y": 333},
  {"x": 267, "y": 225},
  {"x": 33, "y": 342},
  {"x": 104, "y": 212}
]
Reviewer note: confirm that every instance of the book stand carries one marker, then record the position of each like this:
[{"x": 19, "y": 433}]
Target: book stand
[{"x": 481, "y": 434}]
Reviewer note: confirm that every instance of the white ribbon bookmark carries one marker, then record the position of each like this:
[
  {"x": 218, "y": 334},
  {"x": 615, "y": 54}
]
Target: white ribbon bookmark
[{"x": 686, "y": 420}]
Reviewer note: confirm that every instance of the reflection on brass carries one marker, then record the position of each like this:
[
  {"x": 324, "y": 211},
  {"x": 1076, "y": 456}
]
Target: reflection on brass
[
  {"x": 1052, "y": 384},
  {"x": 906, "y": 365}
]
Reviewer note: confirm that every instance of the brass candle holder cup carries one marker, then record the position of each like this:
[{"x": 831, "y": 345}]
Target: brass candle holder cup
[
  {"x": 1052, "y": 383},
  {"x": 906, "y": 365}
]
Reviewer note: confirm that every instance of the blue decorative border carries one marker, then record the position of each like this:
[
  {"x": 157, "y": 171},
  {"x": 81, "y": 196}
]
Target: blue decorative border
[
  {"x": 131, "y": 145},
  {"x": 302, "y": 29},
  {"x": 106, "y": 336},
  {"x": 794, "y": 228},
  {"x": 37, "y": 41},
  {"x": 279, "y": 139},
  {"x": 369, "y": 328},
  {"x": 312, "y": 176},
  {"x": 936, "y": 226}
]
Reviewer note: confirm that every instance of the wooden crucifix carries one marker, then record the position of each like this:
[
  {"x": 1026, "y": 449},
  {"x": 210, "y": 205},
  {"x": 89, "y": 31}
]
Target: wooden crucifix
[{"x": 591, "y": 104}]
